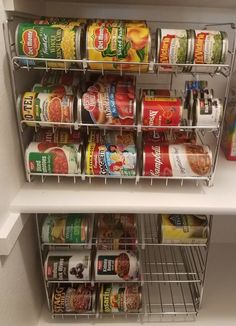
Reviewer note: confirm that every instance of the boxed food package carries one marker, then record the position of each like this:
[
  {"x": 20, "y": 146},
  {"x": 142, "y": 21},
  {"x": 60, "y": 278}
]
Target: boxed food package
[{"x": 229, "y": 132}]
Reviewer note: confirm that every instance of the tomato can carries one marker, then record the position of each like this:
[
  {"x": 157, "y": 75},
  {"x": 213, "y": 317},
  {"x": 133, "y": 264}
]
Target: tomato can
[
  {"x": 177, "y": 160},
  {"x": 112, "y": 137},
  {"x": 161, "y": 111},
  {"x": 173, "y": 137},
  {"x": 116, "y": 160},
  {"x": 68, "y": 266},
  {"x": 116, "y": 265},
  {"x": 46, "y": 107},
  {"x": 60, "y": 136},
  {"x": 49, "y": 42},
  {"x": 118, "y": 298},
  {"x": 61, "y": 228},
  {"x": 53, "y": 158},
  {"x": 56, "y": 89},
  {"x": 69, "y": 80},
  {"x": 117, "y": 43},
  {"x": 78, "y": 299}
]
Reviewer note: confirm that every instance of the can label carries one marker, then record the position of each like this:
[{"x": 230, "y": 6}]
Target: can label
[
  {"x": 71, "y": 228},
  {"x": 175, "y": 137},
  {"x": 208, "y": 112},
  {"x": 157, "y": 92},
  {"x": 180, "y": 160},
  {"x": 111, "y": 160},
  {"x": 54, "y": 89},
  {"x": 68, "y": 299},
  {"x": 116, "y": 265},
  {"x": 52, "y": 158},
  {"x": 118, "y": 42},
  {"x": 69, "y": 79},
  {"x": 60, "y": 136},
  {"x": 112, "y": 137},
  {"x": 161, "y": 111},
  {"x": 120, "y": 298}
]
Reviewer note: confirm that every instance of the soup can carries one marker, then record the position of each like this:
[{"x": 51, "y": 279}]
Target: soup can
[
  {"x": 174, "y": 46},
  {"x": 78, "y": 299},
  {"x": 61, "y": 228},
  {"x": 118, "y": 298},
  {"x": 68, "y": 266},
  {"x": 114, "y": 160},
  {"x": 116, "y": 265},
  {"x": 177, "y": 160},
  {"x": 53, "y": 158},
  {"x": 48, "y": 42},
  {"x": 208, "y": 112},
  {"x": 173, "y": 137},
  {"x": 60, "y": 136},
  {"x": 117, "y": 43},
  {"x": 112, "y": 137},
  {"x": 46, "y": 107},
  {"x": 161, "y": 111}
]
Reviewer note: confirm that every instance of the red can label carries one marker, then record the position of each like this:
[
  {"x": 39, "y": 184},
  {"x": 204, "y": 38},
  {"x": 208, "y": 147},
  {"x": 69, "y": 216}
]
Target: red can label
[
  {"x": 175, "y": 137},
  {"x": 161, "y": 111}
]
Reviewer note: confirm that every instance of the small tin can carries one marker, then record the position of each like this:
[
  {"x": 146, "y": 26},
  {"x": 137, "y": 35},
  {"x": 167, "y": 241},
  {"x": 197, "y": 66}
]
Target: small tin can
[
  {"x": 208, "y": 112},
  {"x": 116, "y": 160},
  {"x": 173, "y": 137},
  {"x": 68, "y": 266},
  {"x": 178, "y": 228},
  {"x": 112, "y": 137},
  {"x": 120, "y": 298},
  {"x": 177, "y": 160},
  {"x": 161, "y": 111},
  {"x": 53, "y": 158},
  {"x": 71, "y": 228},
  {"x": 45, "y": 107},
  {"x": 117, "y": 43},
  {"x": 78, "y": 299},
  {"x": 60, "y": 136},
  {"x": 116, "y": 265}
]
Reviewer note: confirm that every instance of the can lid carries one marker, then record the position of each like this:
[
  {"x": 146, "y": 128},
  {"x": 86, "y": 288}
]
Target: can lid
[
  {"x": 158, "y": 43},
  {"x": 79, "y": 42},
  {"x": 79, "y": 107},
  {"x": 190, "y": 49}
]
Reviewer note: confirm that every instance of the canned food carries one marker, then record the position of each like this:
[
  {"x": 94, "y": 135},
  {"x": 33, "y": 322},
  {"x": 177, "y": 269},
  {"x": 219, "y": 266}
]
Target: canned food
[
  {"x": 46, "y": 107},
  {"x": 208, "y": 112},
  {"x": 117, "y": 43},
  {"x": 161, "y": 111},
  {"x": 71, "y": 228},
  {"x": 177, "y": 228},
  {"x": 115, "y": 298},
  {"x": 126, "y": 221},
  {"x": 112, "y": 137},
  {"x": 60, "y": 136},
  {"x": 173, "y": 137},
  {"x": 174, "y": 46},
  {"x": 79, "y": 299},
  {"x": 113, "y": 160},
  {"x": 53, "y": 158},
  {"x": 116, "y": 265},
  {"x": 69, "y": 79},
  {"x": 68, "y": 266},
  {"x": 157, "y": 92},
  {"x": 69, "y": 22},
  {"x": 56, "y": 89},
  {"x": 49, "y": 42},
  {"x": 180, "y": 160}
]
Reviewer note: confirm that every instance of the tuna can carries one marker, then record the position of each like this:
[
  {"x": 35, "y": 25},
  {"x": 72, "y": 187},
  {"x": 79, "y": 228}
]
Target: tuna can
[
  {"x": 45, "y": 107},
  {"x": 118, "y": 298},
  {"x": 60, "y": 136},
  {"x": 117, "y": 43},
  {"x": 174, "y": 46},
  {"x": 177, "y": 160},
  {"x": 116, "y": 265},
  {"x": 208, "y": 112},
  {"x": 49, "y": 42},
  {"x": 161, "y": 111},
  {"x": 174, "y": 137},
  {"x": 53, "y": 158},
  {"x": 68, "y": 266},
  {"x": 78, "y": 299},
  {"x": 114, "y": 160},
  {"x": 112, "y": 137},
  {"x": 71, "y": 228}
]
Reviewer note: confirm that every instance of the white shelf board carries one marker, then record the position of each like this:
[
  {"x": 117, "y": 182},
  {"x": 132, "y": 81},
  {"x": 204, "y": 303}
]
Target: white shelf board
[
  {"x": 219, "y": 299},
  {"x": 67, "y": 197}
]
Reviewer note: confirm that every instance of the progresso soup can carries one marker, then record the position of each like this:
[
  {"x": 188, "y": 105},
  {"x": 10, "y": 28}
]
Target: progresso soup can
[
  {"x": 118, "y": 298},
  {"x": 177, "y": 160},
  {"x": 61, "y": 228},
  {"x": 78, "y": 299},
  {"x": 46, "y": 107},
  {"x": 53, "y": 158},
  {"x": 116, "y": 43}
]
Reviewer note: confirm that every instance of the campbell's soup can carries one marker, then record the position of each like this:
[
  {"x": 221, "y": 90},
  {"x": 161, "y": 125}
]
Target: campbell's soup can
[
  {"x": 116, "y": 265},
  {"x": 49, "y": 42},
  {"x": 112, "y": 137},
  {"x": 116, "y": 160},
  {"x": 120, "y": 298},
  {"x": 117, "y": 43},
  {"x": 161, "y": 111},
  {"x": 173, "y": 137},
  {"x": 45, "y": 107},
  {"x": 177, "y": 160},
  {"x": 78, "y": 299},
  {"x": 60, "y": 136},
  {"x": 68, "y": 265},
  {"x": 53, "y": 158},
  {"x": 174, "y": 46},
  {"x": 61, "y": 228}
]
